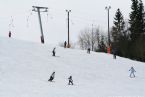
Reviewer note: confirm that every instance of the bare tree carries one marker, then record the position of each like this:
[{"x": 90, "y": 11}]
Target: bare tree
[{"x": 90, "y": 38}]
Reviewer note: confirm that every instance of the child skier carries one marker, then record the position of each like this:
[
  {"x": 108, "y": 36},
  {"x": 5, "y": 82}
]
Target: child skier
[
  {"x": 132, "y": 72},
  {"x": 70, "y": 81},
  {"x": 51, "y": 77}
]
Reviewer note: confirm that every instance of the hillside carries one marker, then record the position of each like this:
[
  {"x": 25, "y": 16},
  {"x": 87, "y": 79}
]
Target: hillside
[{"x": 25, "y": 68}]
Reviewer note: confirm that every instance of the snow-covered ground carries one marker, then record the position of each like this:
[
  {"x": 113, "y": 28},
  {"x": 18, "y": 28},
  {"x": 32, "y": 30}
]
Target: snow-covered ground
[{"x": 25, "y": 68}]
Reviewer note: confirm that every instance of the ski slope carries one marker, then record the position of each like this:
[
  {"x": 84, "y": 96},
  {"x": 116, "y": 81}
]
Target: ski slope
[{"x": 25, "y": 68}]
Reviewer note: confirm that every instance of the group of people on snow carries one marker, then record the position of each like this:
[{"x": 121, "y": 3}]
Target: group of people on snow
[
  {"x": 53, "y": 75},
  {"x": 132, "y": 75},
  {"x": 54, "y": 52},
  {"x": 114, "y": 52}
]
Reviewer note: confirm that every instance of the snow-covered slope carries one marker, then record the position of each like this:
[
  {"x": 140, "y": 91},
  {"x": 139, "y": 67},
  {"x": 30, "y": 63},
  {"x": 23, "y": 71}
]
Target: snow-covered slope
[{"x": 25, "y": 68}]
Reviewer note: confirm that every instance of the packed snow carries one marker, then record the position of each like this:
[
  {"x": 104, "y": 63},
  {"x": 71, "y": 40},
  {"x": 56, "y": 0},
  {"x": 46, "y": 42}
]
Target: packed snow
[{"x": 25, "y": 68}]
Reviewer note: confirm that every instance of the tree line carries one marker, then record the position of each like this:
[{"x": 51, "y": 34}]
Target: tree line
[{"x": 127, "y": 36}]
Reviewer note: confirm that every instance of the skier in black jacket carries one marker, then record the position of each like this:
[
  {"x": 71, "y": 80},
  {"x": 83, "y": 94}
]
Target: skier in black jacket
[
  {"x": 65, "y": 43},
  {"x": 53, "y": 52},
  {"x": 88, "y": 50},
  {"x": 51, "y": 77},
  {"x": 70, "y": 81}
]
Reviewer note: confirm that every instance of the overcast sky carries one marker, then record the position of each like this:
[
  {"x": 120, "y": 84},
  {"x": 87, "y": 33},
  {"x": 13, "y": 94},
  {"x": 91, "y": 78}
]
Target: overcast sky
[{"x": 17, "y": 16}]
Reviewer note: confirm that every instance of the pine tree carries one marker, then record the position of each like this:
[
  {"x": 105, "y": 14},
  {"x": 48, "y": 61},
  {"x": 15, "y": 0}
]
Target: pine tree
[
  {"x": 118, "y": 33},
  {"x": 141, "y": 40},
  {"x": 137, "y": 29},
  {"x": 141, "y": 17},
  {"x": 133, "y": 21}
]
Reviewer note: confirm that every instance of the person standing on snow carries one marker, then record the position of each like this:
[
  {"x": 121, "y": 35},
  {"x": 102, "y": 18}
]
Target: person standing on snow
[
  {"x": 132, "y": 70},
  {"x": 114, "y": 53},
  {"x": 53, "y": 52},
  {"x": 70, "y": 81},
  {"x": 88, "y": 50},
  {"x": 51, "y": 77},
  {"x": 65, "y": 44},
  {"x": 10, "y": 34}
]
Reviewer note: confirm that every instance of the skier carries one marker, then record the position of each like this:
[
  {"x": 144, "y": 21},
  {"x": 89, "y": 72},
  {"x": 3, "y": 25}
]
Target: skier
[
  {"x": 70, "y": 81},
  {"x": 53, "y": 52},
  {"x": 114, "y": 53},
  {"x": 88, "y": 50},
  {"x": 10, "y": 34},
  {"x": 65, "y": 43},
  {"x": 51, "y": 77},
  {"x": 132, "y": 72}
]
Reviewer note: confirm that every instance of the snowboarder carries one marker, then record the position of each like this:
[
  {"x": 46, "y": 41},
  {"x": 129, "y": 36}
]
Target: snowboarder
[
  {"x": 10, "y": 34},
  {"x": 51, "y": 77},
  {"x": 88, "y": 50},
  {"x": 70, "y": 81},
  {"x": 132, "y": 72},
  {"x": 65, "y": 43},
  {"x": 53, "y": 52}
]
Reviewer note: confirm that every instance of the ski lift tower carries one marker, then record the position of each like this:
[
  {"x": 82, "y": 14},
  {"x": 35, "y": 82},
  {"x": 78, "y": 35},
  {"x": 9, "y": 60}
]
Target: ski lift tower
[
  {"x": 40, "y": 9},
  {"x": 68, "y": 11}
]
